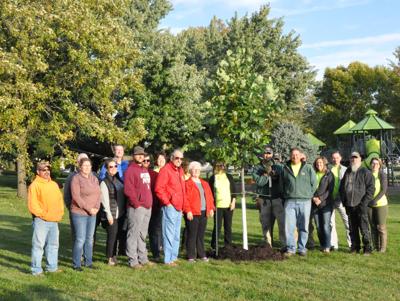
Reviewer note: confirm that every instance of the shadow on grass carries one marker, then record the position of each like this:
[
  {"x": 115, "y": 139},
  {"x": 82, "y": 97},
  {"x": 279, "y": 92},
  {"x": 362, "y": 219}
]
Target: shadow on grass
[{"x": 35, "y": 292}]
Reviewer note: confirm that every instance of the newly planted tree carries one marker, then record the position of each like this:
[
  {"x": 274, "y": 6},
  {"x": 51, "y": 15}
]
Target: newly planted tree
[{"x": 243, "y": 105}]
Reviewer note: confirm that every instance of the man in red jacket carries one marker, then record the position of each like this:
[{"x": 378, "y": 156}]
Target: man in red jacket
[
  {"x": 140, "y": 200},
  {"x": 170, "y": 189}
]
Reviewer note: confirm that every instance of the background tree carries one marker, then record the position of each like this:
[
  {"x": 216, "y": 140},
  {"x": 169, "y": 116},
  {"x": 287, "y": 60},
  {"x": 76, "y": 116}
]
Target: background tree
[
  {"x": 243, "y": 104},
  {"x": 63, "y": 68},
  {"x": 348, "y": 92},
  {"x": 287, "y": 135}
]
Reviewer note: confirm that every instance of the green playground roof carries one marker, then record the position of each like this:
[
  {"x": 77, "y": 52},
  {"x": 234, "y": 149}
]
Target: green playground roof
[
  {"x": 345, "y": 128},
  {"x": 371, "y": 122},
  {"x": 314, "y": 140}
]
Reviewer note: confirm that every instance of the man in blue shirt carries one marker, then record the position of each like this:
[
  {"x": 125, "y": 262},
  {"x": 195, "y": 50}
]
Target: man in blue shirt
[{"x": 122, "y": 165}]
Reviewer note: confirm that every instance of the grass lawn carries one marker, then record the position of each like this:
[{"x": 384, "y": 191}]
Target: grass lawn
[{"x": 336, "y": 276}]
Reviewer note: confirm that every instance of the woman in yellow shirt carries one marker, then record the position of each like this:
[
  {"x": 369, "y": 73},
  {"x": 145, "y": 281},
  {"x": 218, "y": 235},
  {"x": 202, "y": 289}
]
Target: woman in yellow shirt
[{"x": 378, "y": 210}]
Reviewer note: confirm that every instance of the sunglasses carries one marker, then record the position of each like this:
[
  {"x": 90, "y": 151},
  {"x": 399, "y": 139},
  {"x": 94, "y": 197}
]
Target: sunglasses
[{"x": 146, "y": 161}]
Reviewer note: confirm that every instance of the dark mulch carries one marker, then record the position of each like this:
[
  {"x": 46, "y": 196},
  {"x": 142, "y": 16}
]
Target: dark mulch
[{"x": 254, "y": 253}]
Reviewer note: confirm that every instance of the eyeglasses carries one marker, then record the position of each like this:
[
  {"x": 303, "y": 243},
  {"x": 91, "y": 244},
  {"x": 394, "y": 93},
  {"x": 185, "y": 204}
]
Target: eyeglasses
[
  {"x": 112, "y": 166},
  {"x": 178, "y": 158},
  {"x": 146, "y": 161}
]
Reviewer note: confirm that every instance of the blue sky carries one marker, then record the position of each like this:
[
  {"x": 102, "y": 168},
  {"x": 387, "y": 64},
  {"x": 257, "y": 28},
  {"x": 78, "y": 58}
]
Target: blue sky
[{"x": 334, "y": 32}]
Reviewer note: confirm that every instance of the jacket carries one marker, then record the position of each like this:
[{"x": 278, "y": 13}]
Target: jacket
[
  {"x": 384, "y": 185},
  {"x": 137, "y": 186},
  {"x": 170, "y": 186},
  {"x": 301, "y": 187},
  {"x": 362, "y": 190},
  {"x": 193, "y": 199},
  {"x": 262, "y": 181},
  {"x": 86, "y": 194},
  {"x": 45, "y": 200},
  {"x": 325, "y": 190},
  {"x": 113, "y": 200},
  {"x": 231, "y": 184}
]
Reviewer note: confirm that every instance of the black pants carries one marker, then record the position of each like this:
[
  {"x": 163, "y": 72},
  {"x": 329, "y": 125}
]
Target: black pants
[
  {"x": 155, "y": 235},
  {"x": 358, "y": 223},
  {"x": 196, "y": 229},
  {"x": 225, "y": 214},
  {"x": 116, "y": 237}
]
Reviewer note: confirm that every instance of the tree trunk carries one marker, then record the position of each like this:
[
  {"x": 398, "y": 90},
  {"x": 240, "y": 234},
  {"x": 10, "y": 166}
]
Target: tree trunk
[
  {"x": 22, "y": 191},
  {"x": 244, "y": 219}
]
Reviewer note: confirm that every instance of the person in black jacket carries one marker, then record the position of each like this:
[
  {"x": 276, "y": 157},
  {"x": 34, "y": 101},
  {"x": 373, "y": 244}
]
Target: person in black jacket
[
  {"x": 322, "y": 203},
  {"x": 223, "y": 189},
  {"x": 356, "y": 190}
]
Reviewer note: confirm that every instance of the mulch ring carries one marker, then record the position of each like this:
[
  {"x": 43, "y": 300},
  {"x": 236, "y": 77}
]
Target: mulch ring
[{"x": 254, "y": 253}]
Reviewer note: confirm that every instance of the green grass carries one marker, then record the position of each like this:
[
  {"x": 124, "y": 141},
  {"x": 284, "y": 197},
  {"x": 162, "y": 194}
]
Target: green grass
[{"x": 337, "y": 276}]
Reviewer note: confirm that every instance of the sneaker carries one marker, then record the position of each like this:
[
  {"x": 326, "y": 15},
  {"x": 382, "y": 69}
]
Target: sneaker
[
  {"x": 38, "y": 274},
  {"x": 137, "y": 266},
  {"x": 171, "y": 264},
  {"x": 78, "y": 269},
  {"x": 288, "y": 254},
  {"x": 302, "y": 254},
  {"x": 114, "y": 258},
  {"x": 191, "y": 260},
  {"x": 205, "y": 259},
  {"x": 111, "y": 261},
  {"x": 326, "y": 250},
  {"x": 149, "y": 264},
  {"x": 56, "y": 271}
]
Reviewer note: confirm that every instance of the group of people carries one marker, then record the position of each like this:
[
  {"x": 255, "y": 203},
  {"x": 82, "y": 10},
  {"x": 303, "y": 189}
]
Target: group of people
[
  {"x": 131, "y": 200},
  {"x": 296, "y": 194}
]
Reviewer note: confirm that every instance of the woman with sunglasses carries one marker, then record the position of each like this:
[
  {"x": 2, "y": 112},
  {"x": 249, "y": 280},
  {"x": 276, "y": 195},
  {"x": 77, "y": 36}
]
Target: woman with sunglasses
[
  {"x": 378, "y": 207},
  {"x": 223, "y": 188},
  {"x": 84, "y": 207},
  {"x": 114, "y": 206}
]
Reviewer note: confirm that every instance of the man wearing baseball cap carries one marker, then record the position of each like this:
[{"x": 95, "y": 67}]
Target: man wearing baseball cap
[
  {"x": 266, "y": 176},
  {"x": 137, "y": 188},
  {"x": 357, "y": 188}
]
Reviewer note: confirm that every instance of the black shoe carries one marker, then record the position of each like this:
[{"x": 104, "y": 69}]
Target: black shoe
[
  {"x": 78, "y": 269},
  {"x": 302, "y": 254}
]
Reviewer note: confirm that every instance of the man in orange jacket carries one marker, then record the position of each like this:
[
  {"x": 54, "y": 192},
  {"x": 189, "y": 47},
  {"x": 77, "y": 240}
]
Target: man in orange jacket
[{"x": 46, "y": 205}]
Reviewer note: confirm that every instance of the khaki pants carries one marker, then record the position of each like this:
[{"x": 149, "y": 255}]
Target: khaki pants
[{"x": 272, "y": 210}]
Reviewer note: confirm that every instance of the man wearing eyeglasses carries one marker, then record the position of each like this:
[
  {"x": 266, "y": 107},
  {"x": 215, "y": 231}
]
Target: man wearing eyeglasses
[
  {"x": 356, "y": 191},
  {"x": 47, "y": 208},
  {"x": 140, "y": 200},
  {"x": 122, "y": 165},
  {"x": 170, "y": 189}
]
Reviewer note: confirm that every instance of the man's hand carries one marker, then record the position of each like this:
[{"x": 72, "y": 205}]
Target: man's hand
[
  {"x": 110, "y": 221},
  {"x": 211, "y": 214},
  {"x": 93, "y": 211},
  {"x": 233, "y": 204},
  {"x": 189, "y": 216}
]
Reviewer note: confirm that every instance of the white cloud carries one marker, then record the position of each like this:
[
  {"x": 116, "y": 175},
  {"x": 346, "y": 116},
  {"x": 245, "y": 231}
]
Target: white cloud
[
  {"x": 306, "y": 8},
  {"x": 371, "y": 40},
  {"x": 368, "y": 56}
]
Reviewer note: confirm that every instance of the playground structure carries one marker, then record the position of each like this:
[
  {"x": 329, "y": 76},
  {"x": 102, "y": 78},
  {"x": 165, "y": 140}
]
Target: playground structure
[{"x": 372, "y": 137}]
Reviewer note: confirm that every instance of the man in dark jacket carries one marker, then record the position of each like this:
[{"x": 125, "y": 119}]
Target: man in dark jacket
[
  {"x": 266, "y": 177},
  {"x": 297, "y": 184},
  {"x": 356, "y": 191},
  {"x": 140, "y": 200}
]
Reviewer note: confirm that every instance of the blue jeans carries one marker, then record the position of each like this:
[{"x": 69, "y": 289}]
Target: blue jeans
[
  {"x": 45, "y": 237},
  {"x": 322, "y": 218},
  {"x": 84, "y": 229},
  {"x": 297, "y": 214},
  {"x": 171, "y": 232}
]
